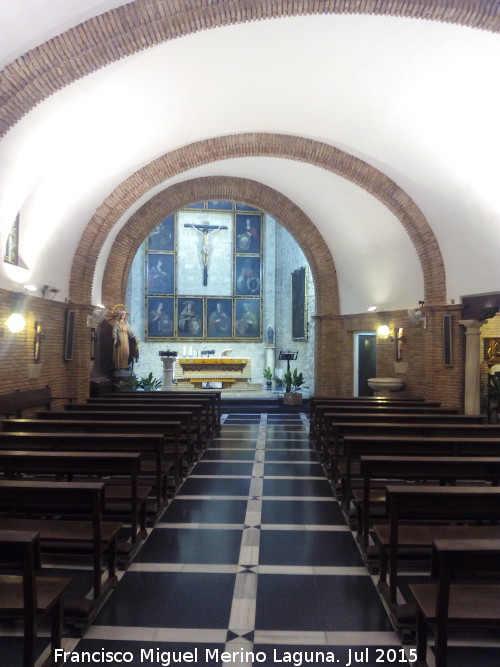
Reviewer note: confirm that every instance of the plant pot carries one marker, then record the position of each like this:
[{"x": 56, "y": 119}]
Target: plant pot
[
  {"x": 292, "y": 398},
  {"x": 269, "y": 386}
]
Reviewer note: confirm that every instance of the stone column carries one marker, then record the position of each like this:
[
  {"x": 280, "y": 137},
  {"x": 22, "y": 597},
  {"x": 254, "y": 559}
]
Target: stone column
[
  {"x": 472, "y": 367},
  {"x": 168, "y": 372}
]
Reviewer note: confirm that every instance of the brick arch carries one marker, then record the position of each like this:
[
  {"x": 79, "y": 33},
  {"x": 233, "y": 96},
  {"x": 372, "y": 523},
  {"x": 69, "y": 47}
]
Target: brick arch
[
  {"x": 138, "y": 25},
  {"x": 321, "y": 155},
  {"x": 175, "y": 197}
]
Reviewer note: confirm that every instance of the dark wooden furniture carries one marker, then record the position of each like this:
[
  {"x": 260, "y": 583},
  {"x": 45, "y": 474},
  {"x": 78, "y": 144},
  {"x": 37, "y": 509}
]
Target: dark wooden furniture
[
  {"x": 68, "y": 517},
  {"x": 455, "y": 597},
  {"x": 28, "y": 597},
  {"x": 377, "y": 469},
  {"x": 121, "y": 470},
  {"x": 13, "y": 403},
  {"x": 419, "y": 514}
]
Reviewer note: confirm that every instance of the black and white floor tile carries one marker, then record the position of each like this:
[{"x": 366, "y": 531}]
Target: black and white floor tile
[{"x": 252, "y": 558}]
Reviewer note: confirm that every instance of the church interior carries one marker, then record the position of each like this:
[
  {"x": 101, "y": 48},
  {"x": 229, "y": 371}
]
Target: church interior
[{"x": 279, "y": 216}]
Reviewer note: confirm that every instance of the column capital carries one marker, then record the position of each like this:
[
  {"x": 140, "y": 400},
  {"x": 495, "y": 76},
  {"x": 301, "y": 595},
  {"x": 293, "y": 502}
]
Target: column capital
[{"x": 471, "y": 326}]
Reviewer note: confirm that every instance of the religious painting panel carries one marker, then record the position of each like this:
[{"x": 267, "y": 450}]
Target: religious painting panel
[
  {"x": 299, "y": 314},
  {"x": 248, "y": 318},
  {"x": 220, "y": 205},
  {"x": 160, "y": 317},
  {"x": 248, "y": 234},
  {"x": 241, "y": 206},
  {"x": 247, "y": 276},
  {"x": 190, "y": 317},
  {"x": 219, "y": 314},
  {"x": 160, "y": 277},
  {"x": 163, "y": 236}
]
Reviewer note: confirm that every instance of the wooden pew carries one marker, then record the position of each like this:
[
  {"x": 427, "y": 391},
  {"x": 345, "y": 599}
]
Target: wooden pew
[
  {"x": 150, "y": 446},
  {"x": 319, "y": 404},
  {"x": 446, "y": 602},
  {"x": 387, "y": 431},
  {"x": 323, "y": 409},
  {"x": 115, "y": 466},
  {"x": 55, "y": 510},
  {"x": 14, "y": 403},
  {"x": 336, "y": 424},
  {"x": 213, "y": 395},
  {"x": 205, "y": 418},
  {"x": 421, "y": 468},
  {"x": 348, "y": 469},
  {"x": 188, "y": 412},
  {"x": 170, "y": 430},
  {"x": 28, "y": 597},
  {"x": 420, "y": 514}
]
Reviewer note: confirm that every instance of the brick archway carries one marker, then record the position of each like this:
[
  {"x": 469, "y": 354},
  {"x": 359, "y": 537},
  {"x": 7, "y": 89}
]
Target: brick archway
[
  {"x": 321, "y": 155},
  {"x": 138, "y": 25},
  {"x": 143, "y": 221}
]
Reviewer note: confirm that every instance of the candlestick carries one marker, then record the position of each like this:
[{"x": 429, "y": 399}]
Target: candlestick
[
  {"x": 190, "y": 350},
  {"x": 184, "y": 351}
]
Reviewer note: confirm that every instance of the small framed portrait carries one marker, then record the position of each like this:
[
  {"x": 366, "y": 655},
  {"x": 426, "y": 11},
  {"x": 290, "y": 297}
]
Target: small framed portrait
[
  {"x": 163, "y": 236},
  {"x": 247, "y": 279},
  {"x": 299, "y": 311},
  {"x": 190, "y": 317},
  {"x": 248, "y": 232},
  {"x": 160, "y": 317},
  {"x": 219, "y": 318},
  {"x": 247, "y": 318},
  {"x": 160, "y": 277}
]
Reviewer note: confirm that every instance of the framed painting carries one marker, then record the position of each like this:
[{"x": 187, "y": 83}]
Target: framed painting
[
  {"x": 247, "y": 281},
  {"x": 160, "y": 278},
  {"x": 11, "y": 254},
  {"x": 163, "y": 236},
  {"x": 247, "y": 318},
  {"x": 248, "y": 232},
  {"x": 220, "y": 205},
  {"x": 299, "y": 312},
  {"x": 219, "y": 315},
  {"x": 160, "y": 317},
  {"x": 190, "y": 317},
  {"x": 241, "y": 206}
]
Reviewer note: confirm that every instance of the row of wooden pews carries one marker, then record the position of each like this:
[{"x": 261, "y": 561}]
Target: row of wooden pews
[
  {"x": 418, "y": 482},
  {"x": 86, "y": 481}
]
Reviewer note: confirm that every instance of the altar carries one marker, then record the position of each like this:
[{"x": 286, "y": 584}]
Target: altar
[{"x": 230, "y": 371}]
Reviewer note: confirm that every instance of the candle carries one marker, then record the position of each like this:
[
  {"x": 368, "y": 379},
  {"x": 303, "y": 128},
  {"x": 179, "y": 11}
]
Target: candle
[
  {"x": 184, "y": 351},
  {"x": 190, "y": 350}
]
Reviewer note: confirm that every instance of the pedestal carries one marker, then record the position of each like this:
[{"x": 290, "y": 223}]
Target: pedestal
[
  {"x": 168, "y": 372},
  {"x": 472, "y": 367},
  {"x": 271, "y": 358}
]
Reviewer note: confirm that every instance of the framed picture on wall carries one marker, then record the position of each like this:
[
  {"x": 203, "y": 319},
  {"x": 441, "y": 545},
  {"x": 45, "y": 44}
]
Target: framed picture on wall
[
  {"x": 160, "y": 317},
  {"x": 219, "y": 314},
  {"x": 163, "y": 236},
  {"x": 190, "y": 317},
  {"x": 299, "y": 313},
  {"x": 248, "y": 318},
  {"x": 248, "y": 232},
  {"x": 247, "y": 276},
  {"x": 160, "y": 278}
]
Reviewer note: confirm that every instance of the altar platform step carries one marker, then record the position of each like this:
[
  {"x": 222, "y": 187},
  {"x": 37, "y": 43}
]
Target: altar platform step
[{"x": 271, "y": 405}]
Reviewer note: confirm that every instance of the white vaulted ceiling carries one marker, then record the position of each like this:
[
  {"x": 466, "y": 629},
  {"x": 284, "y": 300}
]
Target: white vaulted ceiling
[{"x": 417, "y": 100}]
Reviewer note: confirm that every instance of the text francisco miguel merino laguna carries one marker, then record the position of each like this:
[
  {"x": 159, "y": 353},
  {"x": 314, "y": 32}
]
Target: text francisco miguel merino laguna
[{"x": 155, "y": 656}]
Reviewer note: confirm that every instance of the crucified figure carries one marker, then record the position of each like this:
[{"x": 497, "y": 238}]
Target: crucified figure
[{"x": 206, "y": 231}]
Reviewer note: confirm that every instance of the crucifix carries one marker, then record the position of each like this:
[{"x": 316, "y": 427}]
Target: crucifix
[{"x": 206, "y": 231}]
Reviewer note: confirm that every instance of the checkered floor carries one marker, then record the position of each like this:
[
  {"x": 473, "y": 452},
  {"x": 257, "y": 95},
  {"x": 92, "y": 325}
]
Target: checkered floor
[{"x": 253, "y": 556}]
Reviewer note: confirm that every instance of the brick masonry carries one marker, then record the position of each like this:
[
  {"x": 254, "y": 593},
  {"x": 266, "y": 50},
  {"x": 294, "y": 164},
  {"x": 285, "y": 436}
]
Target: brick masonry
[{"x": 138, "y": 25}]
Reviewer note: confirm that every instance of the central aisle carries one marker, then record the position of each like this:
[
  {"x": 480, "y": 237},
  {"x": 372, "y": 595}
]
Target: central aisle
[{"x": 253, "y": 554}]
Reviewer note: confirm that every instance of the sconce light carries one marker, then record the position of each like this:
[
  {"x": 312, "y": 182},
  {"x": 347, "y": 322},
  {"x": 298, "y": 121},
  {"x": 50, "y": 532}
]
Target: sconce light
[
  {"x": 383, "y": 331},
  {"x": 15, "y": 322}
]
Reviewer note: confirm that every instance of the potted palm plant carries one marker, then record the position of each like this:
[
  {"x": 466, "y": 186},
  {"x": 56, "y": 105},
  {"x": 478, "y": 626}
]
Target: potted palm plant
[
  {"x": 293, "y": 382},
  {"x": 493, "y": 398},
  {"x": 268, "y": 376}
]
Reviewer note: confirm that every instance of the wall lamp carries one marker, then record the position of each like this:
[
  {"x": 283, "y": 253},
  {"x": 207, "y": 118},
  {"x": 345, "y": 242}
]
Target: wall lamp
[{"x": 15, "y": 322}]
